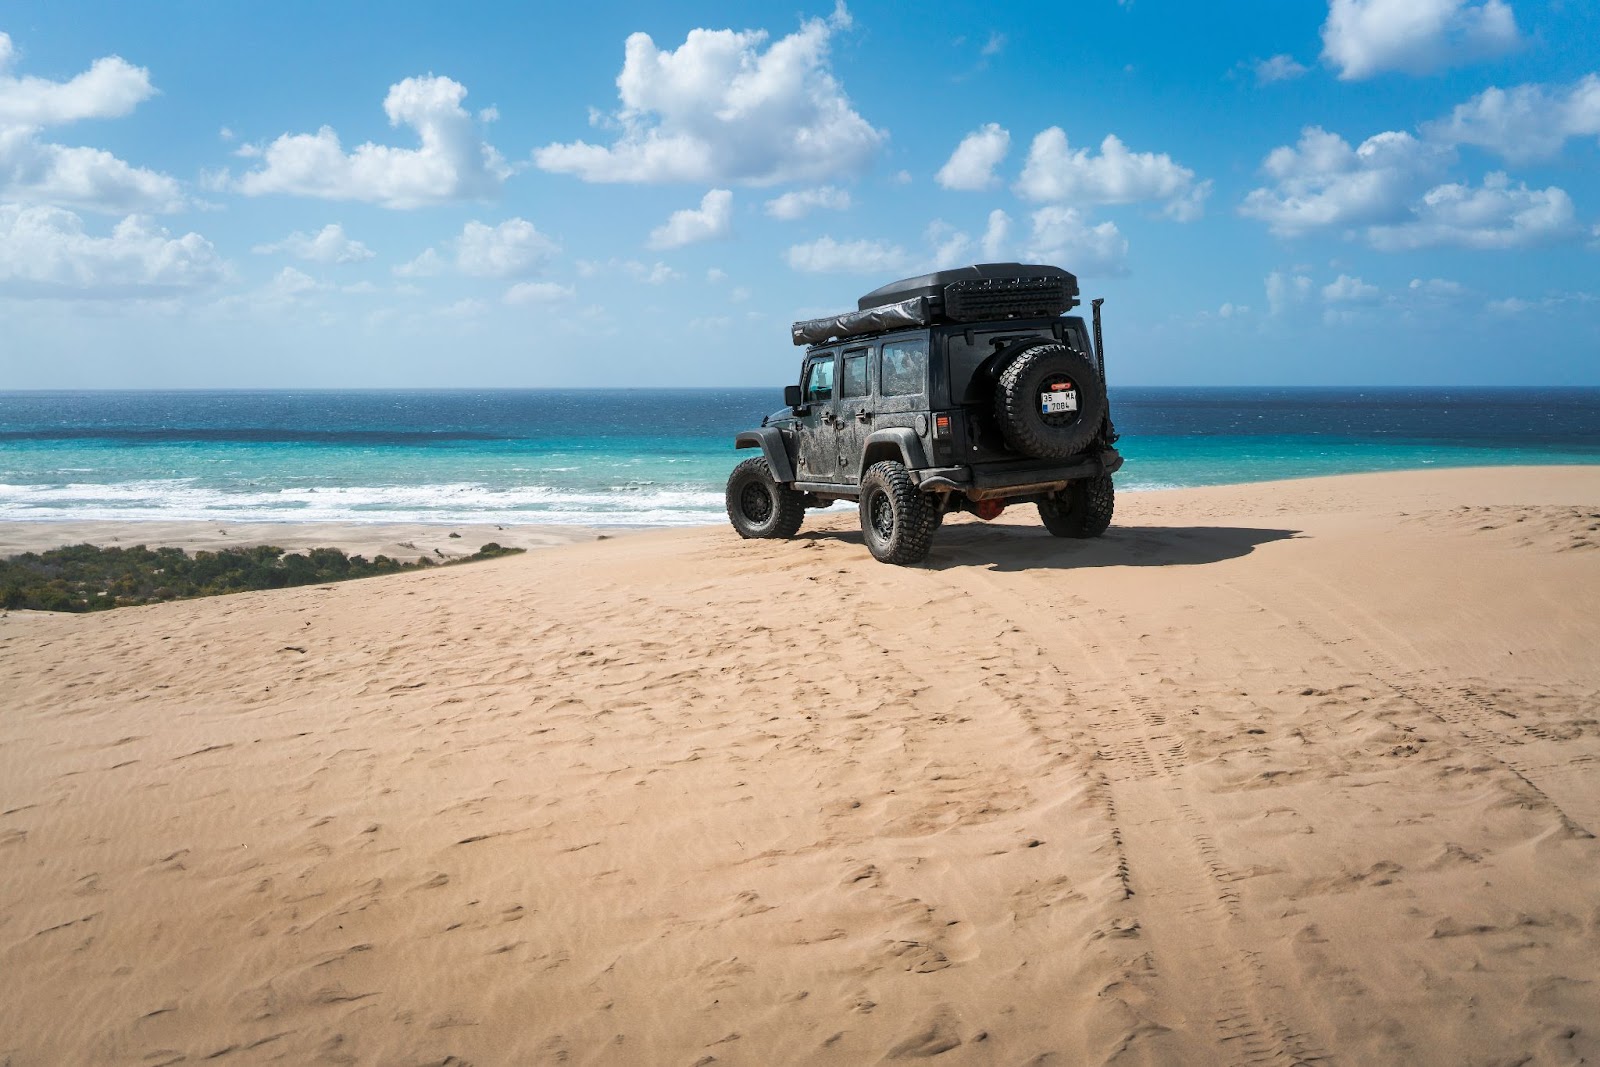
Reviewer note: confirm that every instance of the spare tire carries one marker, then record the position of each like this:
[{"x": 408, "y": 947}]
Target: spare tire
[{"x": 1050, "y": 402}]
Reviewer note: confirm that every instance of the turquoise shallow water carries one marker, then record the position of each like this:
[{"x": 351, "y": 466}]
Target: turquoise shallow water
[
  {"x": 1171, "y": 463},
  {"x": 659, "y": 457}
]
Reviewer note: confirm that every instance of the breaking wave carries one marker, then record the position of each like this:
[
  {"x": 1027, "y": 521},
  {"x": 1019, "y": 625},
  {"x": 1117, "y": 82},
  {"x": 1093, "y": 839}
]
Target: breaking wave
[{"x": 629, "y": 504}]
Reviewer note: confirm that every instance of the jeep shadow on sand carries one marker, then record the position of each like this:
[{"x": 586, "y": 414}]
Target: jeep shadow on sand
[{"x": 963, "y": 390}]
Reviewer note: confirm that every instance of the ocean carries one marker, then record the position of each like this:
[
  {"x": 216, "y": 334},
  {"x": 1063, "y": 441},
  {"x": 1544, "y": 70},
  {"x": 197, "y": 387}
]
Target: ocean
[{"x": 659, "y": 457}]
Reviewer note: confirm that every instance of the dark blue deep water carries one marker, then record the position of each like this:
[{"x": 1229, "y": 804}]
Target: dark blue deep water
[{"x": 659, "y": 457}]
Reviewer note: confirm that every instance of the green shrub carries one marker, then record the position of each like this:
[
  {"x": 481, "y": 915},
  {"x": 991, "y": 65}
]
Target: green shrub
[{"x": 90, "y": 578}]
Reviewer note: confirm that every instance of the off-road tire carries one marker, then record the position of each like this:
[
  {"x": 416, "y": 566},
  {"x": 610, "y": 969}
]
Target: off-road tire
[
  {"x": 1029, "y": 430},
  {"x": 758, "y": 506},
  {"x": 897, "y": 521},
  {"x": 1083, "y": 509}
]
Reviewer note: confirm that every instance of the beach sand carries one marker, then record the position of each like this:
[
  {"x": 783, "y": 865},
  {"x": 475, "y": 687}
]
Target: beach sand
[{"x": 1269, "y": 774}]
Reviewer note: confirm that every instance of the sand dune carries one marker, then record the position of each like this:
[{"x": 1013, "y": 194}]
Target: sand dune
[{"x": 1280, "y": 773}]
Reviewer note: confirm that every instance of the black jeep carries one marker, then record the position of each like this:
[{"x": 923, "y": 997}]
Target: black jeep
[{"x": 962, "y": 390}]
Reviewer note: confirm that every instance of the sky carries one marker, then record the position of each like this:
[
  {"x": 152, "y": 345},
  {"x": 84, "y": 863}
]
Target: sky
[{"x": 299, "y": 195}]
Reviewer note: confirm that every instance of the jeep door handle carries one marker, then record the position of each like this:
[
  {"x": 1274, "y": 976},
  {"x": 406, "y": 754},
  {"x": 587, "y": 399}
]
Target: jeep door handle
[{"x": 863, "y": 415}]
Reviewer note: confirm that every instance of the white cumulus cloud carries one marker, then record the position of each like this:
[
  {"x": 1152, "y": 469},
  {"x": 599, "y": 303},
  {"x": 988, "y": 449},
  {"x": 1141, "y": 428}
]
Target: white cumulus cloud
[
  {"x": 972, "y": 164},
  {"x": 801, "y": 202},
  {"x": 1510, "y": 305},
  {"x": 1062, "y": 236},
  {"x": 1323, "y": 182},
  {"x": 1278, "y": 68},
  {"x": 726, "y": 107},
  {"x": 1437, "y": 288},
  {"x": 452, "y": 162},
  {"x": 1286, "y": 290},
  {"x": 46, "y": 252},
  {"x": 328, "y": 245},
  {"x": 995, "y": 235},
  {"x": 827, "y": 256},
  {"x": 711, "y": 220},
  {"x": 654, "y": 274},
  {"x": 514, "y": 248},
  {"x": 1054, "y": 171},
  {"x": 427, "y": 265},
  {"x": 88, "y": 179},
  {"x": 109, "y": 89},
  {"x": 951, "y": 247},
  {"x": 1526, "y": 122},
  {"x": 1366, "y": 37},
  {"x": 290, "y": 284},
  {"x": 36, "y": 170},
  {"x": 1386, "y": 193},
  {"x": 1347, "y": 290},
  {"x": 539, "y": 293},
  {"x": 1495, "y": 215}
]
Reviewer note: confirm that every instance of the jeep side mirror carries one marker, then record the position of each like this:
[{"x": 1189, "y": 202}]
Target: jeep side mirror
[{"x": 791, "y": 395}]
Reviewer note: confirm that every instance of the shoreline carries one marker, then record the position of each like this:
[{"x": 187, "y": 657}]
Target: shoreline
[{"x": 407, "y": 540}]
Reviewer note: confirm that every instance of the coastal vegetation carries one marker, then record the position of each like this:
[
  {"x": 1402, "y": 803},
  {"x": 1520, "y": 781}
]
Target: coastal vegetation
[{"x": 91, "y": 578}]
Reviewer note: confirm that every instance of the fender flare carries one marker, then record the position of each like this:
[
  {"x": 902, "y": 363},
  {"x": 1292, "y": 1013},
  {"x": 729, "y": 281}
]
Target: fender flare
[
  {"x": 770, "y": 441},
  {"x": 904, "y": 441}
]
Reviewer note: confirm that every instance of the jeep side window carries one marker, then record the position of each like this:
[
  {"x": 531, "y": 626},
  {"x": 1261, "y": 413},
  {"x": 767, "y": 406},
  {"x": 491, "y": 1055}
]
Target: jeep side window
[
  {"x": 819, "y": 380},
  {"x": 905, "y": 367},
  {"x": 854, "y": 380}
]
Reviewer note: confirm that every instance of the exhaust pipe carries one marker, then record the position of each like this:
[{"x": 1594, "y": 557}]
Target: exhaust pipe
[
  {"x": 1099, "y": 342},
  {"x": 1110, "y": 430}
]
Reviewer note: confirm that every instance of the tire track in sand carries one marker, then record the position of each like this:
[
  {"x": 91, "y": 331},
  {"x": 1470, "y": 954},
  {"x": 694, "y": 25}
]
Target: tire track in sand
[
  {"x": 1196, "y": 947},
  {"x": 1467, "y": 716}
]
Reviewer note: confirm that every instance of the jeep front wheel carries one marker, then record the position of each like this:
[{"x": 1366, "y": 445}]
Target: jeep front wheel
[
  {"x": 896, "y": 520},
  {"x": 758, "y": 506},
  {"x": 1083, "y": 509}
]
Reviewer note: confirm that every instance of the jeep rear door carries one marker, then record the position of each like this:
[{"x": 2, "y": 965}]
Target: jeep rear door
[{"x": 854, "y": 410}]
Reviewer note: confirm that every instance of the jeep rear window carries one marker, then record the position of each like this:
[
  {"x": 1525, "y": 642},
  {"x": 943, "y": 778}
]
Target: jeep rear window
[
  {"x": 963, "y": 360},
  {"x": 905, "y": 367},
  {"x": 819, "y": 380},
  {"x": 853, "y": 382}
]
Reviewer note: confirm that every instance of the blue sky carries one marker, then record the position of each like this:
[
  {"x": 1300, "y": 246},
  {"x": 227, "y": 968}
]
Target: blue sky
[{"x": 299, "y": 195}]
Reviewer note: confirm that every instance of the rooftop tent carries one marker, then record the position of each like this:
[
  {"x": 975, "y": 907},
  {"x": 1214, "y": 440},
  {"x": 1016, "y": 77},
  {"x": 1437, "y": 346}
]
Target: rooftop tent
[
  {"x": 982, "y": 292},
  {"x": 1037, "y": 288}
]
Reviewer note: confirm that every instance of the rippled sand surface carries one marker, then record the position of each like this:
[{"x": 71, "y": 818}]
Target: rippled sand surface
[{"x": 1278, "y": 773}]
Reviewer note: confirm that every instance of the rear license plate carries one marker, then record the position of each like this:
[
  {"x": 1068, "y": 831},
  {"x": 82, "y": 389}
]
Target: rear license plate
[{"x": 1058, "y": 402}]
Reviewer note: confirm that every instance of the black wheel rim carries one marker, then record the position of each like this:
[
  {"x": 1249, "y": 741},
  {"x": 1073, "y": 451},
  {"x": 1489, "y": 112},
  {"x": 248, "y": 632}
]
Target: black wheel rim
[
  {"x": 881, "y": 510},
  {"x": 756, "y": 503},
  {"x": 1060, "y": 418}
]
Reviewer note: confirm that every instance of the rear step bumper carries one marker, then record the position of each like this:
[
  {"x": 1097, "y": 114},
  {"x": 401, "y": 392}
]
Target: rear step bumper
[{"x": 992, "y": 483}]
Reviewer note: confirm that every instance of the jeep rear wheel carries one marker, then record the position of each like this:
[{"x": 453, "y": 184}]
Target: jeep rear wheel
[
  {"x": 758, "y": 506},
  {"x": 1083, "y": 509},
  {"x": 896, "y": 519},
  {"x": 1050, "y": 402}
]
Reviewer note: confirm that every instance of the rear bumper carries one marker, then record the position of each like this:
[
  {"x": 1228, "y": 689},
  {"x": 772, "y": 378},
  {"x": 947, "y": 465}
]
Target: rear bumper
[{"x": 998, "y": 481}]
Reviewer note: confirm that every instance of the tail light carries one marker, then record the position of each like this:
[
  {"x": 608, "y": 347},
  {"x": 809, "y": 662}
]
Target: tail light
[{"x": 943, "y": 437}]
